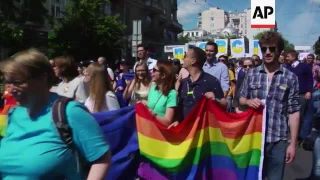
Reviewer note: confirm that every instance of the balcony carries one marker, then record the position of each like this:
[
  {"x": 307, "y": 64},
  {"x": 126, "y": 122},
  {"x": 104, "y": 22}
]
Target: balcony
[
  {"x": 154, "y": 5},
  {"x": 177, "y": 25}
]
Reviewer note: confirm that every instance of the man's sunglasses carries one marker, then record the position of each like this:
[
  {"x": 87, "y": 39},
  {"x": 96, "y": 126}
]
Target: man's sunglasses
[{"x": 272, "y": 49}]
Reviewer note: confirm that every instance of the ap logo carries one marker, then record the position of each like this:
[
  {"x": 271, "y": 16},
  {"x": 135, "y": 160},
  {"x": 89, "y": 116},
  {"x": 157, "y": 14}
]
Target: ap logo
[{"x": 263, "y": 14}]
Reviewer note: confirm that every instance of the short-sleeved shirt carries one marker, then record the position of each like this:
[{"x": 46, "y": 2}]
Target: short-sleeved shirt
[
  {"x": 281, "y": 99},
  {"x": 159, "y": 102},
  {"x": 191, "y": 92},
  {"x": 32, "y": 148},
  {"x": 75, "y": 89}
]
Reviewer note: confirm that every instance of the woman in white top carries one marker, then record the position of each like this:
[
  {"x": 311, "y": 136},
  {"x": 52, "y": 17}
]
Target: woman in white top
[
  {"x": 72, "y": 86},
  {"x": 101, "y": 98},
  {"x": 139, "y": 88}
]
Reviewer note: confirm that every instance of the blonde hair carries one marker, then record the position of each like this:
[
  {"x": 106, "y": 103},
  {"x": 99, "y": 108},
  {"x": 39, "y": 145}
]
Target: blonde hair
[
  {"x": 29, "y": 63},
  {"x": 99, "y": 84},
  {"x": 137, "y": 80}
]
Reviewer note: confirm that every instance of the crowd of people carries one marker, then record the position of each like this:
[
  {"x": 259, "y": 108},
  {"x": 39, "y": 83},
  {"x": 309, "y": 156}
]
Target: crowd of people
[{"x": 32, "y": 149}]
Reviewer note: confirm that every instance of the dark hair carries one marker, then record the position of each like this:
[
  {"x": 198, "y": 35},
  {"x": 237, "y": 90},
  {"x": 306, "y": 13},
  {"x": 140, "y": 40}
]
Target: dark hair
[
  {"x": 68, "y": 66},
  {"x": 210, "y": 43},
  {"x": 312, "y": 55},
  {"x": 166, "y": 68},
  {"x": 224, "y": 56},
  {"x": 318, "y": 57},
  {"x": 255, "y": 55},
  {"x": 294, "y": 53},
  {"x": 271, "y": 37},
  {"x": 283, "y": 54},
  {"x": 145, "y": 47},
  {"x": 199, "y": 54}
]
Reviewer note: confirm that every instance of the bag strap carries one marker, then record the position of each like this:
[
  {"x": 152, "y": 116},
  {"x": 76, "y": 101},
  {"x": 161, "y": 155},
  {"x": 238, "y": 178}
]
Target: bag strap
[{"x": 61, "y": 122}]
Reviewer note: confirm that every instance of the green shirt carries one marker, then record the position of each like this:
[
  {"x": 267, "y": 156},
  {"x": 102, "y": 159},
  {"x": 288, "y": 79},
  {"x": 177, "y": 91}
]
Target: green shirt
[{"x": 159, "y": 102}]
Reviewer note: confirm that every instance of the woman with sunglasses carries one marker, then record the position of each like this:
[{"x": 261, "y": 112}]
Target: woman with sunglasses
[
  {"x": 162, "y": 97},
  {"x": 248, "y": 63}
]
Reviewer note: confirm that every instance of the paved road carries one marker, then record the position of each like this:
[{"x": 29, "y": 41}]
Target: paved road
[{"x": 301, "y": 167}]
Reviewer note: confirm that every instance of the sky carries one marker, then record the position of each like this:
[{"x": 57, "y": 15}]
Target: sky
[{"x": 296, "y": 19}]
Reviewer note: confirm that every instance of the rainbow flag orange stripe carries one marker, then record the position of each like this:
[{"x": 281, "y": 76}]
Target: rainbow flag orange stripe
[{"x": 208, "y": 144}]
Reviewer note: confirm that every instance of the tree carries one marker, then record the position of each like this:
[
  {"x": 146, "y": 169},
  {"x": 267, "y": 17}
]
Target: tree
[
  {"x": 316, "y": 47},
  {"x": 184, "y": 39},
  {"x": 287, "y": 45},
  {"x": 15, "y": 19},
  {"x": 86, "y": 31}
]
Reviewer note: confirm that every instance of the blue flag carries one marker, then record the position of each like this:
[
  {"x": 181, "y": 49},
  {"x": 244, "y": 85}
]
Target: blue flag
[{"x": 119, "y": 128}]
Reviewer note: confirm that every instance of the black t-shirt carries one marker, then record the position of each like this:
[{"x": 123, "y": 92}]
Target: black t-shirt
[{"x": 191, "y": 92}]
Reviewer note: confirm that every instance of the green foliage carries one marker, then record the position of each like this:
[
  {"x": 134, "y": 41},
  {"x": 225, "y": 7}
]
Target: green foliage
[
  {"x": 86, "y": 31},
  {"x": 316, "y": 47},
  {"x": 15, "y": 34},
  {"x": 287, "y": 45},
  {"x": 183, "y": 39}
]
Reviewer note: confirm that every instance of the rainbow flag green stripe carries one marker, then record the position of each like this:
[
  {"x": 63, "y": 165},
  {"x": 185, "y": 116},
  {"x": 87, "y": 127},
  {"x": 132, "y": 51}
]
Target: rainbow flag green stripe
[{"x": 208, "y": 139}]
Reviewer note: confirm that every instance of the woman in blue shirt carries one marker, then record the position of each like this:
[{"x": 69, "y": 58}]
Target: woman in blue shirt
[{"x": 32, "y": 148}]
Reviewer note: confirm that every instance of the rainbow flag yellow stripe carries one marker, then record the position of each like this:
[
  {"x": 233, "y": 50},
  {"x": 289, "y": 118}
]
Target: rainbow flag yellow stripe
[{"x": 209, "y": 143}]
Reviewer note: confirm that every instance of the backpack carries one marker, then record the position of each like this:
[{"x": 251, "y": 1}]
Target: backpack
[{"x": 65, "y": 131}]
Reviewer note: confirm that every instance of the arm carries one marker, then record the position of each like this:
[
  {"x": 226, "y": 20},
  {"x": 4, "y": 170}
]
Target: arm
[
  {"x": 112, "y": 101},
  {"x": 218, "y": 93},
  {"x": 244, "y": 93},
  {"x": 178, "y": 82},
  {"x": 310, "y": 80},
  {"x": 129, "y": 89},
  {"x": 89, "y": 139},
  {"x": 294, "y": 110},
  {"x": 225, "y": 80}
]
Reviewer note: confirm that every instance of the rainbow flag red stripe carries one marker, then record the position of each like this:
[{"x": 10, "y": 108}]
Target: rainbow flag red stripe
[{"x": 209, "y": 144}]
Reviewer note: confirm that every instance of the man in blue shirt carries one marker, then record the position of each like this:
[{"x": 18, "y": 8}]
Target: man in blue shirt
[
  {"x": 198, "y": 83},
  {"x": 215, "y": 68}
]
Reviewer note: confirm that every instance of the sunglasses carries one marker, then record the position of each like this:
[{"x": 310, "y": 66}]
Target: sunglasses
[
  {"x": 272, "y": 49},
  {"x": 222, "y": 60},
  {"x": 15, "y": 82},
  {"x": 247, "y": 66}
]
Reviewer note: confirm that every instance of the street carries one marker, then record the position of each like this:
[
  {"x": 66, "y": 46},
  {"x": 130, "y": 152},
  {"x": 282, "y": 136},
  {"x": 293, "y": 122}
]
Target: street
[{"x": 301, "y": 167}]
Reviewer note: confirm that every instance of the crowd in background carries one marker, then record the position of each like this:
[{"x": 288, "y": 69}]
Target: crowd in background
[{"x": 168, "y": 88}]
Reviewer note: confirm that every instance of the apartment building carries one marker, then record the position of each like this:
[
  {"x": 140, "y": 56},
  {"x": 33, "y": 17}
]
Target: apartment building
[
  {"x": 160, "y": 26},
  {"x": 239, "y": 21},
  {"x": 213, "y": 20}
]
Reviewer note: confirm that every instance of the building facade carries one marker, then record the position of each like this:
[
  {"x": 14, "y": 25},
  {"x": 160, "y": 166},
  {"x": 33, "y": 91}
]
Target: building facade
[
  {"x": 160, "y": 26},
  {"x": 213, "y": 20}
]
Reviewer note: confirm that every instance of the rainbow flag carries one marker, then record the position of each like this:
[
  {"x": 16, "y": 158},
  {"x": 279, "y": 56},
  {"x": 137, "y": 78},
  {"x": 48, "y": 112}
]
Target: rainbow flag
[{"x": 209, "y": 144}]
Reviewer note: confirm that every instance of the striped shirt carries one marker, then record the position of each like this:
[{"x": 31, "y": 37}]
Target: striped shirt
[{"x": 281, "y": 100}]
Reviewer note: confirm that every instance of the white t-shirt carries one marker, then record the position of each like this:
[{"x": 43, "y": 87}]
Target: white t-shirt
[
  {"x": 76, "y": 89},
  {"x": 110, "y": 104},
  {"x": 150, "y": 62}
]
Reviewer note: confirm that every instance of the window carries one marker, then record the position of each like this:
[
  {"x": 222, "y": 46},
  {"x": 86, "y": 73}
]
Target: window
[
  {"x": 55, "y": 11},
  {"x": 197, "y": 33},
  {"x": 172, "y": 18},
  {"x": 149, "y": 21},
  {"x": 212, "y": 18},
  {"x": 164, "y": 11},
  {"x": 192, "y": 34},
  {"x": 107, "y": 9}
]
